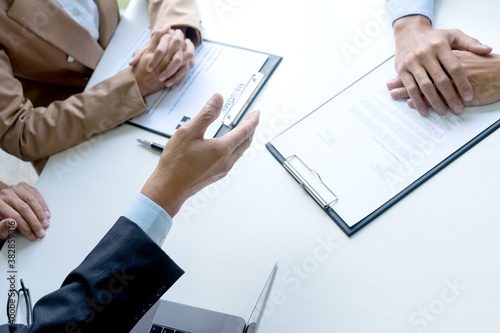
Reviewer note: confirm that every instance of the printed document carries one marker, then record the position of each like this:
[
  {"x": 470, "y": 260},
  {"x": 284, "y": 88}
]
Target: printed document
[
  {"x": 218, "y": 68},
  {"x": 367, "y": 147}
]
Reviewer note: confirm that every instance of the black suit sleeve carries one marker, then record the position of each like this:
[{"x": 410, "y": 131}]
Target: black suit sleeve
[{"x": 123, "y": 276}]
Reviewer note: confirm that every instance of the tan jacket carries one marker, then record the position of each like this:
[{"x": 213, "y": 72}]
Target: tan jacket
[
  {"x": 3, "y": 185},
  {"x": 46, "y": 60}
]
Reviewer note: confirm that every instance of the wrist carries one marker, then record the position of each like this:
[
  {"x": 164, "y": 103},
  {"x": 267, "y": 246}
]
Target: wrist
[{"x": 164, "y": 192}]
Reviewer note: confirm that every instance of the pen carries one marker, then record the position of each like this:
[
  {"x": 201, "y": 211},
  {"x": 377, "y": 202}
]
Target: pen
[{"x": 152, "y": 145}]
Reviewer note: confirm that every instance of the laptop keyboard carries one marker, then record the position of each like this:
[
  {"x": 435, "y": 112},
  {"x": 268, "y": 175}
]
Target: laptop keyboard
[{"x": 163, "y": 329}]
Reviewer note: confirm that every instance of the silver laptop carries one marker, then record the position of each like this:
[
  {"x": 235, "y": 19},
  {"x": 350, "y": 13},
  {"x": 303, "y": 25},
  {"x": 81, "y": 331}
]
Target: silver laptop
[{"x": 170, "y": 317}]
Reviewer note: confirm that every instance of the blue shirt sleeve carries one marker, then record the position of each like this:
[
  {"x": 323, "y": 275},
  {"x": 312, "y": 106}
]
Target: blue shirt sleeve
[
  {"x": 401, "y": 8},
  {"x": 150, "y": 217}
]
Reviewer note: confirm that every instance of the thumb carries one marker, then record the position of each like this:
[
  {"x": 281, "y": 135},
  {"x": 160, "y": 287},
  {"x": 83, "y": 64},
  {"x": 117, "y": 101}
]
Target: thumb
[
  {"x": 466, "y": 42},
  {"x": 208, "y": 114},
  {"x": 5, "y": 226}
]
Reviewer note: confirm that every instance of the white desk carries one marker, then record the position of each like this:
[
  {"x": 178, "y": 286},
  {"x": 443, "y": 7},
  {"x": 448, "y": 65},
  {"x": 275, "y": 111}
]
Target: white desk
[{"x": 228, "y": 236}]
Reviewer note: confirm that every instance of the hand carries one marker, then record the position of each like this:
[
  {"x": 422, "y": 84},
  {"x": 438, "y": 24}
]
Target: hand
[
  {"x": 25, "y": 205},
  {"x": 5, "y": 226},
  {"x": 189, "y": 162},
  {"x": 425, "y": 64},
  {"x": 483, "y": 72},
  {"x": 171, "y": 56}
]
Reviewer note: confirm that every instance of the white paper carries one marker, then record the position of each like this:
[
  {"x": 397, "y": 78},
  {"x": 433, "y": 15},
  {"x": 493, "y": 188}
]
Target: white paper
[
  {"x": 218, "y": 68},
  {"x": 367, "y": 147}
]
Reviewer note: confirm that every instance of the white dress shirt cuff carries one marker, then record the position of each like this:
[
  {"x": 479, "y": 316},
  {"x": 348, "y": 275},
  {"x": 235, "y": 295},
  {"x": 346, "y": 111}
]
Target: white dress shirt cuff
[
  {"x": 150, "y": 217},
  {"x": 401, "y": 8}
]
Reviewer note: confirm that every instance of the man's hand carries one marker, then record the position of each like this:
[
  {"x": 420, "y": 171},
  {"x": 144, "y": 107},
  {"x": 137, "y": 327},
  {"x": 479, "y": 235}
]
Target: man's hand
[
  {"x": 426, "y": 65},
  {"x": 483, "y": 72},
  {"x": 168, "y": 57},
  {"x": 25, "y": 205},
  {"x": 190, "y": 162}
]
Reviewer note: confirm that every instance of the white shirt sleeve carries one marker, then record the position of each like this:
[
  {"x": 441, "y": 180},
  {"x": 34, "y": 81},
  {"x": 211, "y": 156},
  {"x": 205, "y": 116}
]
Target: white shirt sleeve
[
  {"x": 150, "y": 217},
  {"x": 401, "y": 8}
]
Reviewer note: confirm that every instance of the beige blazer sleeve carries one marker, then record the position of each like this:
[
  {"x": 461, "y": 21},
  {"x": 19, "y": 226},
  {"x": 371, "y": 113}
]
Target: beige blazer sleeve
[
  {"x": 34, "y": 133},
  {"x": 177, "y": 13},
  {"x": 3, "y": 185}
]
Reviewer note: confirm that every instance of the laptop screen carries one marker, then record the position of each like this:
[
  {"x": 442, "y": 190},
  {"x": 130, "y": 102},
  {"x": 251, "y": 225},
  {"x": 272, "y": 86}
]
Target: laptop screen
[{"x": 260, "y": 307}]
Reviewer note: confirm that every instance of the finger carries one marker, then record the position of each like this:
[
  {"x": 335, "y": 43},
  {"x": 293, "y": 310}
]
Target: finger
[
  {"x": 159, "y": 53},
  {"x": 463, "y": 41},
  {"x": 6, "y": 225},
  {"x": 22, "y": 225},
  {"x": 240, "y": 150},
  {"x": 40, "y": 200},
  {"x": 428, "y": 90},
  {"x": 410, "y": 103},
  {"x": 177, "y": 78},
  {"x": 174, "y": 65},
  {"x": 456, "y": 72},
  {"x": 399, "y": 93},
  {"x": 395, "y": 83},
  {"x": 31, "y": 196},
  {"x": 414, "y": 92},
  {"x": 28, "y": 207},
  {"x": 175, "y": 45},
  {"x": 238, "y": 135},
  {"x": 137, "y": 56},
  {"x": 156, "y": 36},
  {"x": 186, "y": 60},
  {"x": 446, "y": 89},
  {"x": 208, "y": 114}
]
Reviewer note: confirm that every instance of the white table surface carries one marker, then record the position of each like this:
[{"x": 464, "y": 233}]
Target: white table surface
[{"x": 227, "y": 237}]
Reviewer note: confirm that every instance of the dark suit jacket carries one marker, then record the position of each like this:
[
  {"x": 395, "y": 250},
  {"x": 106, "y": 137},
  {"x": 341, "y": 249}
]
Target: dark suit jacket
[{"x": 123, "y": 276}]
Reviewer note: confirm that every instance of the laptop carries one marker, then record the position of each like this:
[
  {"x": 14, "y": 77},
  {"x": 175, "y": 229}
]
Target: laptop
[{"x": 170, "y": 317}]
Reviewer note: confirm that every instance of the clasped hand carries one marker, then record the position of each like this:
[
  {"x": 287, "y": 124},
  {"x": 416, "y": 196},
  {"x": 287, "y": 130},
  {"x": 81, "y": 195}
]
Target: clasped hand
[{"x": 163, "y": 61}]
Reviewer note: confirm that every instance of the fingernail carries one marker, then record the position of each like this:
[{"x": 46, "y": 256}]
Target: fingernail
[
  {"x": 163, "y": 78},
  {"x": 45, "y": 223},
  {"x": 441, "y": 111},
  {"x": 468, "y": 96},
  {"x": 214, "y": 101},
  {"x": 150, "y": 69},
  {"x": 40, "y": 233},
  {"x": 47, "y": 213},
  {"x": 458, "y": 110},
  {"x": 422, "y": 111},
  {"x": 32, "y": 237}
]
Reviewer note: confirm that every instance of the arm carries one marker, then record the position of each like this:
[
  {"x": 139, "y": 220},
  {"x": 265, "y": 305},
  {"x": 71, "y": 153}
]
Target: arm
[
  {"x": 32, "y": 133},
  {"x": 128, "y": 272},
  {"x": 121, "y": 278},
  {"x": 179, "y": 14},
  {"x": 425, "y": 62}
]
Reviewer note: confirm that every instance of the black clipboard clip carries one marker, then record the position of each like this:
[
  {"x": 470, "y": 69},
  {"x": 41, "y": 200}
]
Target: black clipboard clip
[
  {"x": 234, "y": 114},
  {"x": 310, "y": 181}
]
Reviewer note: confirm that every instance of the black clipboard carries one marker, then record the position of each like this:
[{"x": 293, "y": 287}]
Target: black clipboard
[
  {"x": 241, "y": 106},
  {"x": 326, "y": 197}
]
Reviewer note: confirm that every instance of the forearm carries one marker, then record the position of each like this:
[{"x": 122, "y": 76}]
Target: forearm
[
  {"x": 32, "y": 133},
  {"x": 119, "y": 280},
  {"x": 179, "y": 14}
]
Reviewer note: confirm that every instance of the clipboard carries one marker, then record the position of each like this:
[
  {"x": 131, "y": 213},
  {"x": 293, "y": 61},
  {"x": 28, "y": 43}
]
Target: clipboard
[
  {"x": 240, "y": 104},
  {"x": 309, "y": 155}
]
